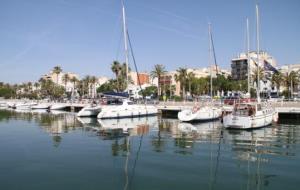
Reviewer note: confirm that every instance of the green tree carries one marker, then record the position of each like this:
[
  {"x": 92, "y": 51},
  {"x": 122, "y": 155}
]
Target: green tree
[
  {"x": 93, "y": 81},
  {"x": 158, "y": 72},
  {"x": 181, "y": 77},
  {"x": 66, "y": 79},
  {"x": 291, "y": 79},
  {"x": 190, "y": 78},
  {"x": 277, "y": 79},
  {"x": 57, "y": 70},
  {"x": 116, "y": 69}
]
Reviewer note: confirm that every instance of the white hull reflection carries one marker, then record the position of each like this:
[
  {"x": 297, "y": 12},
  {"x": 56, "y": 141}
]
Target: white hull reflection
[{"x": 127, "y": 124}]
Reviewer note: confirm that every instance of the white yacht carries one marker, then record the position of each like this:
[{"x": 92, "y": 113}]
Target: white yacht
[
  {"x": 41, "y": 106},
  {"x": 126, "y": 110},
  {"x": 89, "y": 111},
  {"x": 250, "y": 116},
  {"x": 197, "y": 113},
  {"x": 58, "y": 106},
  {"x": 25, "y": 105}
]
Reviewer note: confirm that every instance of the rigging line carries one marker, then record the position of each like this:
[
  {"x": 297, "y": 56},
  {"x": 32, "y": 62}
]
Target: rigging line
[
  {"x": 214, "y": 53},
  {"x": 135, "y": 66},
  {"x": 218, "y": 156},
  {"x": 135, "y": 161}
]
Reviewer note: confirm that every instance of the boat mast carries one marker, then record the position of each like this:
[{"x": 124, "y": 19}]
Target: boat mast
[
  {"x": 258, "y": 55},
  {"x": 125, "y": 42},
  {"x": 248, "y": 55},
  {"x": 210, "y": 61}
]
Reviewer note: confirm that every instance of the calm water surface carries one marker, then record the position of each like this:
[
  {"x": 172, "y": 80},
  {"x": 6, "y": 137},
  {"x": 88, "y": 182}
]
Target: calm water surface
[{"x": 59, "y": 151}]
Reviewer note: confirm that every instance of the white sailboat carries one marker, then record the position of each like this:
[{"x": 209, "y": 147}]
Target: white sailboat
[
  {"x": 251, "y": 115},
  {"x": 202, "y": 113},
  {"x": 127, "y": 109}
]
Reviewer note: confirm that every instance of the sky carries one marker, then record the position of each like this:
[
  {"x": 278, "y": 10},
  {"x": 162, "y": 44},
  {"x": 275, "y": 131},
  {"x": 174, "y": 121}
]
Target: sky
[{"x": 85, "y": 36}]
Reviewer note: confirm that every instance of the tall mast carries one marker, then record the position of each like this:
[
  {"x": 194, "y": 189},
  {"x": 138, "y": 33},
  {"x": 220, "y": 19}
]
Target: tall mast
[
  {"x": 248, "y": 54},
  {"x": 125, "y": 41},
  {"x": 258, "y": 56},
  {"x": 210, "y": 56}
]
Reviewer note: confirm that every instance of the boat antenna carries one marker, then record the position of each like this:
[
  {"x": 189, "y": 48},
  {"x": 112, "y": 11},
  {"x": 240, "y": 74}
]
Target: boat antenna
[
  {"x": 125, "y": 42},
  {"x": 258, "y": 55},
  {"x": 210, "y": 61}
]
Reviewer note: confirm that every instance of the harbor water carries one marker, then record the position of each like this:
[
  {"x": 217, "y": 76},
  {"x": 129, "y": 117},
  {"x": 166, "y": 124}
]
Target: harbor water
[{"x": 41, "y": 150}]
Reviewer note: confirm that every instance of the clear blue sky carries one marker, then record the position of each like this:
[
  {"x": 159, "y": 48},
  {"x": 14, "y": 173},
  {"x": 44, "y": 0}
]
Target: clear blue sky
[{"x": 83, "y": 36}]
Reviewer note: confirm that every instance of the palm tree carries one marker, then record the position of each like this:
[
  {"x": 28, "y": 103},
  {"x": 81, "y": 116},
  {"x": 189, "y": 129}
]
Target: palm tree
[
  {"x": 158, "y": 72},
  {"x": 277, "y": 81},
  {"x": 255, "y": 75},
  {"x": 181, "y": 77},
  {"x": 74, "y": 80},
  {"x": 93, "y": 81},
  {"x": 66, "y": 79},
  {"x": 57, "y": 70},
  {"x": 291, "y": 79},
  {"x": 190, "y": 78},
  {"x": 116, "y": 69},
  {"x": 86, "y": 83}
]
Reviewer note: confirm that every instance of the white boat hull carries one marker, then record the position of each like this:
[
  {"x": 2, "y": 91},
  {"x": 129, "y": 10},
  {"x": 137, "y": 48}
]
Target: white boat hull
[
  {"x": 24, "y": 106},
  {"x": 203, "y": 114},
  {"x": 247, "y": 122},
  {"x": 89, "y": 111},
  {"x": 58, "y": 107},
  {"x": 41, "y": 106},
  {"x": 128, "y": 111}
]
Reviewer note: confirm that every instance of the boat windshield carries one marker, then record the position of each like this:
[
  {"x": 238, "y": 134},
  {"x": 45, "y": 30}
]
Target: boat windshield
[{"x": 244, "y": 110}]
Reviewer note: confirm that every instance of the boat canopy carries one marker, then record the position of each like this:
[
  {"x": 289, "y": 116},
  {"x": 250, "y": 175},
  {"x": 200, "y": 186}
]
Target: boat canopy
[{"x": 116, "y": 94}]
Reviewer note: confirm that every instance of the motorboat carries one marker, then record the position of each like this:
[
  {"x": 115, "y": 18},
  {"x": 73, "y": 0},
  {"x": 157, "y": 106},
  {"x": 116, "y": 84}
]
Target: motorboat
[
  {"x": 197, "y": 113},
  {"x": 25, "y": 105},
  {"x": 11, "y": 104},
  {"x": 126, "y": 110},
  {"x": 58, "y": 106},
  {"x": 250, "y": 116},
  {"x": 89, "y": 111},
  {"x": 41, "y": 106}
]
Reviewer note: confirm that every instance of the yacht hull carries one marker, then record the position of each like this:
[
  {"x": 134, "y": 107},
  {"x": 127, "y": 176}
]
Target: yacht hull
[
  {"x": 247, "y": 122},
  {"x": 129, "y": 111},
  {"x": 89, "y": 111},
  {"x": 201, "y": 115}
]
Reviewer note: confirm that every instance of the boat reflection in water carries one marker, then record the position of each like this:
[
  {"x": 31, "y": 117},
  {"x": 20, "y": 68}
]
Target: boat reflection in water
[{"x": 127, "y": 126}]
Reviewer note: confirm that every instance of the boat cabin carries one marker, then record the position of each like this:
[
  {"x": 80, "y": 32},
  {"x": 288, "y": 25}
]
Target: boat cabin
[{"x": 246, "y": 109}]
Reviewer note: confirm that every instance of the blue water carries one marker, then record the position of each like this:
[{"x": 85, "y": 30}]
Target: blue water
[{"x": 59, "y": 151}]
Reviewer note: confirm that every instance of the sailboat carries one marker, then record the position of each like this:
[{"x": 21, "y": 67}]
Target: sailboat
[
  {"x": 255, "y": 114},
  {"x": 202, "y": 113},
  {"x": 127, "y": 109}
]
